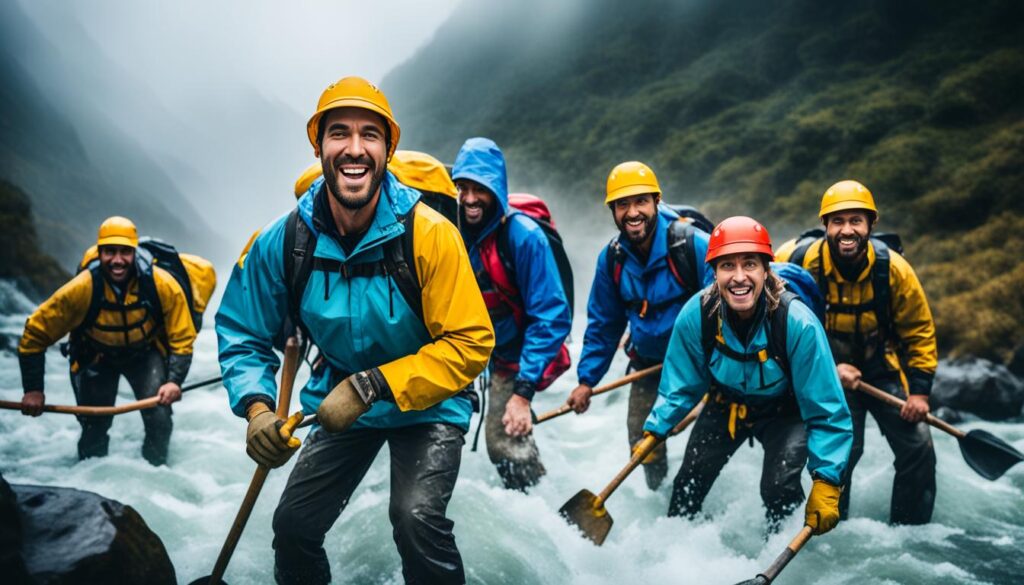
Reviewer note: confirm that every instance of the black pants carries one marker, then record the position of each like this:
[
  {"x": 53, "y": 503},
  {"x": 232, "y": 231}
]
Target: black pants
[
  {"x": 96, "y": 385},
  {"x": 425, "y": 463},
  {"x": 710, "y": 447},
  {"x": 642, "y": 395},
  {"x": 913, "y": 488},
  {"x": 516, "y": 458}
]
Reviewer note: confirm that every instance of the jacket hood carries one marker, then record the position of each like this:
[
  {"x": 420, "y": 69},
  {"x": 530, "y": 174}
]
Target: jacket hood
[{"x": 482, "y": 161}]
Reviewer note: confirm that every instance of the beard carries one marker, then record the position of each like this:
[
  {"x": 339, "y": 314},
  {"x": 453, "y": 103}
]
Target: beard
[
  {"x": 645, "y": 233},
  {"x": 349, "y": 200},
  {"x": 862, "y": 244}
]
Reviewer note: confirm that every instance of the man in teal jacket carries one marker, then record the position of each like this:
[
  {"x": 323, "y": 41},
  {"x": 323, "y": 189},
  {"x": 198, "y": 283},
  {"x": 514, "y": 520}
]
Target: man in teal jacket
[
  {"x": 784, "y": 394},
  {"x": 394, "y": 360}
]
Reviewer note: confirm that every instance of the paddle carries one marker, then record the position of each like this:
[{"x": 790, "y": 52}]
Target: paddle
[
  {"x": 109, "y": 410},
  {"x": 587, "y": 512},
  {"x": 288, "y": 371},
  {"x": 600, "y": 390},
  {"x": 782, "y": 560},
  {"x": 985, "y": 453}
]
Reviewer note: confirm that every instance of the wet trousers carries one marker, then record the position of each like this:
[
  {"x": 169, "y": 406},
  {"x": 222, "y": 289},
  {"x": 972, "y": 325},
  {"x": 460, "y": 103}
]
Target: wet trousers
[
  {"x": 710, "y": 447},
  {"x": 913, "y": 488},
  {"x": 96, "y": 385},
  {"x": 516, "y": 458},
  {"x": 425, "y": 462},
  {"x": 642, "y": 395}
]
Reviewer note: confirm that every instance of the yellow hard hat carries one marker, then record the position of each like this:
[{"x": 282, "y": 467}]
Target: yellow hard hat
[
  {"x": 118, "y": 231},
  {"x": 353, "y": 92},
  {"x": 314, "y": 172},
  {"x": 846, "y": 195},
  {"x": 423, "y": 172},
  {"x": 631, "y": 178}
]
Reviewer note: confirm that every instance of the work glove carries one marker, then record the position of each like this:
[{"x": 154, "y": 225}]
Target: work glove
[
  {"x": 653, "y": 455},
  {"x": 351, "y": 398},
  {"x": 263, "y": 441},
  {"x": 822, "y": 511}
]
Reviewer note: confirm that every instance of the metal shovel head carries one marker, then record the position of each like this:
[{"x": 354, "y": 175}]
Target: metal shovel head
[
  {"x": 593, "y": 521},
  {"x": 988, "y": 455},
  {"x": 205, "y": 580}
]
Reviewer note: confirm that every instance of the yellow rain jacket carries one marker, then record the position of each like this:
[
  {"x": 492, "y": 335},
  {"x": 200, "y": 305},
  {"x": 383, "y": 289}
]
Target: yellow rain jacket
[{"x": 854, "y": 335}]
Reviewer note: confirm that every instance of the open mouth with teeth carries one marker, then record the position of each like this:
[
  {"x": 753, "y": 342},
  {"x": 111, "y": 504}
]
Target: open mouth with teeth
[
  {"x": 474, "y": 212},
  {"x": 848, "y": 246},
  {"x": 118, "y": 271},
  {"x": 741, "y": 293},
  {"x": 354, "y": 173}
]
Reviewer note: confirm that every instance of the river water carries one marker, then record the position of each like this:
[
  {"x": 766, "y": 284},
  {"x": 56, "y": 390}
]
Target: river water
[{"x": 506, "y": 537}]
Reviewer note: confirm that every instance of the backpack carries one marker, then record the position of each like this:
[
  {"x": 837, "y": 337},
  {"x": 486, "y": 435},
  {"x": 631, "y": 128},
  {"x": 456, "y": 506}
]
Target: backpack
[
  {"x": 881, "y": 304},
  {"x": 496, "y": 255},
  {"x": 194, "y": 274},
  {"x": 800, "y": 287},
  {"x": 682, "y": 256}
]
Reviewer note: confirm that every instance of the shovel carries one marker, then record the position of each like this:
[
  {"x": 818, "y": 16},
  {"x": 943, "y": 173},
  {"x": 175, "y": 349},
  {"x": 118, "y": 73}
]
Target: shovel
[
  {"x": 782, "y": 560},
  {"x": 600, "y": 390},
  {"x": 985, "y": 453},
  {"x": 108, "y": 410},
  {"x": 587, "y": 512},
  {"x": 288, "y": 371}
]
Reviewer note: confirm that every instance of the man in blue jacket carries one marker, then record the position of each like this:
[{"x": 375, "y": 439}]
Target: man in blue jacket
[
  {"x": 763, "y": 359},
  {"x": 389, "y": 298},
  {"x": 639, "y": 283},
  {"x": 528, "y": 307}
]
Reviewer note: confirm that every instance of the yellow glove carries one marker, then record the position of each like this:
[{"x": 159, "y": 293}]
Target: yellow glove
[
  {"x": 822, "y": 511},
  {"x": 652, "y": 454},
  {"x": 343, "y": 406},
  {"x": 264, "y": 441}
]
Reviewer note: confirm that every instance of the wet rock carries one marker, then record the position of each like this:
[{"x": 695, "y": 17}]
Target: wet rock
[
  {"x": 978, "y": 386},
  {"x": 71, "y": 537},
  {"x": 1016, "y": 363},
  {"x": 12, "y": 566}
]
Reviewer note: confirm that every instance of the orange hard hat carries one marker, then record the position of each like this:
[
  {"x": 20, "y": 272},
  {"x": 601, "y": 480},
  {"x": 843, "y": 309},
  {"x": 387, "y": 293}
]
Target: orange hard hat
[{"x": 739, "y": 234}]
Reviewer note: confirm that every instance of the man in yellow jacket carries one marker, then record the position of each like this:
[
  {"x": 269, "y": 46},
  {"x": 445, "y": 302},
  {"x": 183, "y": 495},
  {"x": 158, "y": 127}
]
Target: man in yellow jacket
[
  {"x": 881, "y": 331},
  {"x": 127, "y": 318}
]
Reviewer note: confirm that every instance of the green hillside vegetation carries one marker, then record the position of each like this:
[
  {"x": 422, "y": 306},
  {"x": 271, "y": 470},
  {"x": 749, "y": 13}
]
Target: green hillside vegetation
[
  {"x": 21, "y": 257},
  {"x": 760, "y": 106}
]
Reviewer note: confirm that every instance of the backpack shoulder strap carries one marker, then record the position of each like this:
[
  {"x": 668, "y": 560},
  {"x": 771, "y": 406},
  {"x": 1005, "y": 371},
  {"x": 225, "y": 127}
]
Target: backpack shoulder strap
[
  {"x": 882, "y": 289},
  {"x": 504, "y": 246},
  {"x": 616, "y": 258},
  {"x": 800, "y": 251},
  {"x": 778, "y": 331},
  {"x": 299, "y": 243},
  {"x": 708, "y": 327},
  {"x": 682, "y": 255},
  {"x": 95, "y": 301},
  {"x": 148, "y": 293},
  {"x": 400, "y": 263}
]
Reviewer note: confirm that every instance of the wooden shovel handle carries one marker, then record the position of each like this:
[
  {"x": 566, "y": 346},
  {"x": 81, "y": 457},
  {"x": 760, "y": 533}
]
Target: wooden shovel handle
[
  {"x": 107, "y": 410},
  {"x": 628, "y": 379},
  {"x": 787, "y": 555},
  {"x": 898, "y": 403}
]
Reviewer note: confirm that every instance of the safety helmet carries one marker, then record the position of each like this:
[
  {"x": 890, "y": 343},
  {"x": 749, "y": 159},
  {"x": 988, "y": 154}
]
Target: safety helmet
[
  {"x": 353, "y": 92},
  {"x": 847, "y": 195},
  {"x": 118, "y": 231},
  {"x": 739, "y": 234},
  {"x": 422, "y": 172},
  {"x": 314, "y": 172},
  {"x": 631, "y": 178}
]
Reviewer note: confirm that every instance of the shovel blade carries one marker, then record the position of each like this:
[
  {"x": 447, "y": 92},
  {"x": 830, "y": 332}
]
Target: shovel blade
[
  {"x": 582, "y": 512},
  {"x": 988, "y": 455},
  {"x": 205, "y": 580}
]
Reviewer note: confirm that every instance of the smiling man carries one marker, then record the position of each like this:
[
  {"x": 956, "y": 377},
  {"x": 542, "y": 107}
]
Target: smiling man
[
  {"x": 639, "y": 282},
  {"x": 531, "y": 322},
  {"x": 383, "y": 287},
  {"x": 762, "y": 357},
  {"x": 881, "y": 330},
  {"x": 124, "y": 315}
]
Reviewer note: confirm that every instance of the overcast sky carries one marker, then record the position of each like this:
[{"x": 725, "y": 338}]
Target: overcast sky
[{"x": 219, "y": 91}]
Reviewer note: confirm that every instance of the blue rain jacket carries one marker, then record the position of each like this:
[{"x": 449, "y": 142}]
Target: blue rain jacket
[
  {"x": 687, "y": 377},
  {"x": 607, "y": 310},
  {"x": 362, "y": 322},
  {"x": 547, "y": 310}
]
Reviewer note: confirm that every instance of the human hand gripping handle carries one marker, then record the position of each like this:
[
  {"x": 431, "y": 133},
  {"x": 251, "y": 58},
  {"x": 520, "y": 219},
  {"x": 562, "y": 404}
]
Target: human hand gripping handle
[
  {"x": 822, "y": 510},
  {"x": 269, "y": 440},
  {"x": 351, "y": 398}
]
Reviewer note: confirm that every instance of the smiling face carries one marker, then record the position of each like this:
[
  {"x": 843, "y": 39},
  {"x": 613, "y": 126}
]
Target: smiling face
[
  {"x": 636, "y": 216},
  {"x": 740, "y": 279},
  {"x": 116, "y": 262},
  {"x": 474, "y": 201},
  {"x": 847, "y": 233},
  {"x": 353, "y": 153}
]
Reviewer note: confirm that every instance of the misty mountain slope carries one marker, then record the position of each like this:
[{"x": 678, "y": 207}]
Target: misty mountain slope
[
  {"x": 76, "y": 183},
  {"x": 760, "y": 106}
]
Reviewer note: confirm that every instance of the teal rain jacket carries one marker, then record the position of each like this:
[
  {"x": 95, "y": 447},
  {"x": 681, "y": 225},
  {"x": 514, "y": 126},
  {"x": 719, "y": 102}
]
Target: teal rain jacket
[
  {"x": 688, "y": 373},
  {"x": 362, "y": 322}
]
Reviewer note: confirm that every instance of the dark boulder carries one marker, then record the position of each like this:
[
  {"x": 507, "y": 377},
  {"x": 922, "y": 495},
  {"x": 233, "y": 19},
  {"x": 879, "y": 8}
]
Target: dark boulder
[
  {"x": 1016, "y": 363},
  {"x": 978, "y": 386},
  {"x": 75, "y": 537},
  {"x": 12, "y": 566}
]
